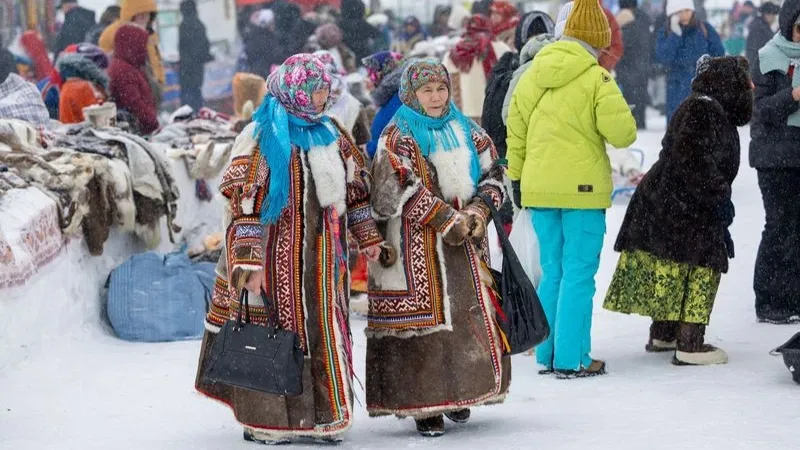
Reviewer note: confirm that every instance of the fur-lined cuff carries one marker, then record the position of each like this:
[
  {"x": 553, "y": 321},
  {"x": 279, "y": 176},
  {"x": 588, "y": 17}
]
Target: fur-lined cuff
[{"x": 494, "y": 189}]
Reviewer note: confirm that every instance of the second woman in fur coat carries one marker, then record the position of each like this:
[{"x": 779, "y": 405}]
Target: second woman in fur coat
[
  {"x": 294, "y": 188},
  {"x": 674, "y": 240},
  {"x": 433, "y": 346}
]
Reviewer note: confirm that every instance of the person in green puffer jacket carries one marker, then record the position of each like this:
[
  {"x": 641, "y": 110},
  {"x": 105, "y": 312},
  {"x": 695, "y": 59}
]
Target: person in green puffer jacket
[{"x": 563, "y": 111}]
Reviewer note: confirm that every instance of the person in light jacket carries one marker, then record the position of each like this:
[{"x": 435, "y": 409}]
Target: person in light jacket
[{"x": 561, "y": 170}]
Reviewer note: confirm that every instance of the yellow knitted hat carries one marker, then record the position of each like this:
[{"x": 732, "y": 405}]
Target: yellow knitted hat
[{"x": 588, "y": 23}]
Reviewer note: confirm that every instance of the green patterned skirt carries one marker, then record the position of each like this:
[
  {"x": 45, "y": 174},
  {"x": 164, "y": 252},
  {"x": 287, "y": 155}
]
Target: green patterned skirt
[{"x": 664, "y": 290}]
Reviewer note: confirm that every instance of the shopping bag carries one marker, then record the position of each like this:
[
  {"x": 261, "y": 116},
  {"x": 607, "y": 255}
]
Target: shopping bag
[
  {"x": 526, "y": 245},
  {"x": 495, "y": 252},
  {"x": 521, "y": 316}
]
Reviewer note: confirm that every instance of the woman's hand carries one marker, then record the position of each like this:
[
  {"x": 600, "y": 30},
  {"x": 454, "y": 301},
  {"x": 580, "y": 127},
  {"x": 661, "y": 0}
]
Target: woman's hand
[
  {"x": 796, "y": 94},
  {"x": 675, "y": 24},
  {"x": 458, "y": 232},
  {"x": 253, "y": 281},
  {"x": 372, "y": 253},
  {"x": 477, "y": 226}
]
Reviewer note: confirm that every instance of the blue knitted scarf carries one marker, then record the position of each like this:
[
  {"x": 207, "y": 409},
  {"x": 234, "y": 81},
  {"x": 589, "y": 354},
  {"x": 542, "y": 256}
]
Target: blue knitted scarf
[
  {"x": 276, "y": 132},
  {"x": 436, "y": 133}
]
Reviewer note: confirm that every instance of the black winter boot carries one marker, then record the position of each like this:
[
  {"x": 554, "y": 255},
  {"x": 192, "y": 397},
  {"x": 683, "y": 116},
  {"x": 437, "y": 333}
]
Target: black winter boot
[
  {"x": 663, "y": 337},
  {"x": 692, "y": 349},
  {"x": 460, "y": 416},
  {"x": 431, "y": 427}
]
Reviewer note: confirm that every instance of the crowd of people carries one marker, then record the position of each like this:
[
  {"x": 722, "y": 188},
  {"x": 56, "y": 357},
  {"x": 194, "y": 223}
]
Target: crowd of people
[{"x": 362, "y": 140}]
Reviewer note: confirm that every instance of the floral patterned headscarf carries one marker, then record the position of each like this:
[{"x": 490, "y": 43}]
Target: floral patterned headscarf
[
  {"x": 418, "y": 74},
  {"x": 294, "y": 82},
  {"x": 380, "y": 64},
  {"x": 338, "y": 83},
  {"x": 433, "y": 134},
  {"x": 287, "y": 119}
]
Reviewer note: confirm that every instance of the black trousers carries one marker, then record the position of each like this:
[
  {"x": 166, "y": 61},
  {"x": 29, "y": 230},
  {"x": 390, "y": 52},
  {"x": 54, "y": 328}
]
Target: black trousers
[{"x": 777, "y": 272}]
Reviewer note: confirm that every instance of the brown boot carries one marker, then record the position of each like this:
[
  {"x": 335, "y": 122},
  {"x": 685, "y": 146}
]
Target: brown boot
[
  {"x": 692, "y": 349},
  {"x": 663, "y": 337}
]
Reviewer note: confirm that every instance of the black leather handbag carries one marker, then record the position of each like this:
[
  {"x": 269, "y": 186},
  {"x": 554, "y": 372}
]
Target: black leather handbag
[
  {"x": 262, "y": 358},
  {"x": 523, "y": 320}
]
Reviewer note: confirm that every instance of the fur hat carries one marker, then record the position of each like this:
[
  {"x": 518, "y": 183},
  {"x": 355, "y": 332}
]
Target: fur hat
[
  {"x": 727, "y": 80},
  {"x": 588, "y": 23},
  {"x": 674, "y": 6}
]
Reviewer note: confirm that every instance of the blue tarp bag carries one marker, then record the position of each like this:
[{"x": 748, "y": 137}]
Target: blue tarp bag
[{"x": 159, "y": 298}]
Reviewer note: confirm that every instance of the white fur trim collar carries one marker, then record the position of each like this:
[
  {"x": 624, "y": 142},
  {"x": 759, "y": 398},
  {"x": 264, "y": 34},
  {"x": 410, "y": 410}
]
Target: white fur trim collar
[
  {"x": 330, "y": 177},
  {"x": 453, "y": 169}
]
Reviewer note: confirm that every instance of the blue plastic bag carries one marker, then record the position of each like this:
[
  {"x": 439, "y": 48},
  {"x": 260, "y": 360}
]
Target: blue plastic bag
[{"x": 159, "y": 298}]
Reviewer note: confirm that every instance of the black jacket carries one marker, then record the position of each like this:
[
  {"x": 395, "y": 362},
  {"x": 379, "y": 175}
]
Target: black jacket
[
  {"x": 638, "y": 41},
  {"x": 261, "y": 50},
  {"x": 193, "y": 46},
  {"x": 496, "y": 88},
  {"x": 682, "y": 208},
  {"x": 359, "y": 35},
  {"x": 77, "y": 23},
  {"x": 773, "y": 143},
  {"x": 760, "y": 33}
]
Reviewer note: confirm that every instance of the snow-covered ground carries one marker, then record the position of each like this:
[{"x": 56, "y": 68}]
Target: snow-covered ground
[{"x": 88, "y": 390}]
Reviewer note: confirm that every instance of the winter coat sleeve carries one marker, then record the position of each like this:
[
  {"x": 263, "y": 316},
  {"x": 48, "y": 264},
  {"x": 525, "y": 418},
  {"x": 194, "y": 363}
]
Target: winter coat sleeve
[
  {"x": 610, "y": 57},
  {"x": 360, "y": 222},
  {"x": 519, "y": 112},
  {"x": 398, "y": 189},
  {"x": 771, "y": 105},
  {"x": 614, "y": 118},
  {"x": 244, "y": 184}
]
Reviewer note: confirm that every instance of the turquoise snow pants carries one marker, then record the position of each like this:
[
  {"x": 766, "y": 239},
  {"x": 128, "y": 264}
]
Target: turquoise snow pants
[{"x": 570, "y": 242}]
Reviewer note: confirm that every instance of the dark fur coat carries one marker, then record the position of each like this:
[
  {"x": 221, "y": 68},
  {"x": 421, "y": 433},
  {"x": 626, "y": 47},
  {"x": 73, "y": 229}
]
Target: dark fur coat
[{"x": 682, "y": 208}]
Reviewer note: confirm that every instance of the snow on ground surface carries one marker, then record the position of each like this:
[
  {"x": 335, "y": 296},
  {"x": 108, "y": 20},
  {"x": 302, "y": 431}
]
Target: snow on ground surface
[{"x": 88, "y": 390}]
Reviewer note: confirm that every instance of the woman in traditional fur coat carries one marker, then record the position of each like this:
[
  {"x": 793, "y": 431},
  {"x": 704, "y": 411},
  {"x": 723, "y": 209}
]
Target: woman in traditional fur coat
[
  {"x": 674, "y": 240},
  {"x": 433, "y": 346},
  {"x": 295, "y": 181}
]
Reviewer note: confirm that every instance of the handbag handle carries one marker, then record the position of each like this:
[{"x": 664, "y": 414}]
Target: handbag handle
[{"x": 269, "y": 305}]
